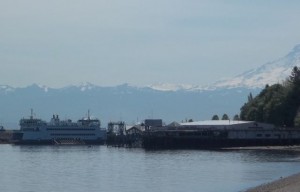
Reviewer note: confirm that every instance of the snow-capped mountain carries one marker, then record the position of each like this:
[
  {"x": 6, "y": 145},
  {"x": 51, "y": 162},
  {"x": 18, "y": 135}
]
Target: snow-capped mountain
[
  {"x": 86, "y": 86},
  {"x": 43, "y": 87},
  {"x": 6, "y": 88},
  {"x": 269, "y": 73},
  {"x": 171, "y": 87},
  {"x": 180, "y": 87}
]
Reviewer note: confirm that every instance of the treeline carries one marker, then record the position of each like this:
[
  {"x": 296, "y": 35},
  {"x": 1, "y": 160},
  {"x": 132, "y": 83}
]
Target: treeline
[
  {"x": 225, "y": 117},
  {"x": 278, "y": 104}
]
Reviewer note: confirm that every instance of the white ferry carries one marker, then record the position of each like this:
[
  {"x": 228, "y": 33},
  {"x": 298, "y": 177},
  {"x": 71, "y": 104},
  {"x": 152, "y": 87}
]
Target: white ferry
[{"x": 84, "y": 131}]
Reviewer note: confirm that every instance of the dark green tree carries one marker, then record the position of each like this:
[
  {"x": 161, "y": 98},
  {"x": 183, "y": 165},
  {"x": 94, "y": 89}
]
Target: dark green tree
[
  {"x": 190, "y": 120},
  {"x": 266, "y": 107},
  {"x": 236, "y": 117},
  {"x": 250, "y": 97},
  {"x": 277, "y": 104},
  {"x": 215, "y": 117},
  {"x": 295, "y": 76},
  {"x": 297, "y": 119},
  {"x": 225, "y": 117},
  {"x": 293, "y": 99}
]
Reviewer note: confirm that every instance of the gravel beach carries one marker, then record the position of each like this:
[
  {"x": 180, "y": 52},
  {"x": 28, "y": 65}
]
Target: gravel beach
[
  {"x": 287, "y": 184},
  {"x": 295, "y": 148}
]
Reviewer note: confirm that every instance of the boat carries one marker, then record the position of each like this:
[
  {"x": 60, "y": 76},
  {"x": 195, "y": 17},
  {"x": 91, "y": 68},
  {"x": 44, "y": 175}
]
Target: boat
[{"x": 61, "y": 132}]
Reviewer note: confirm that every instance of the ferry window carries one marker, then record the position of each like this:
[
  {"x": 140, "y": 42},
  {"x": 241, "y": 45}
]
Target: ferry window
[
  {"x": 258, "y": 135},
  {"x": 267, "y": 135}
]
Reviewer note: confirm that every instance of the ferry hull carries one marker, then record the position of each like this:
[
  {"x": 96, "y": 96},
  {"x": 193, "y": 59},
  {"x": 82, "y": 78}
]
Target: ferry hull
[{"x": 52, "y": 142}]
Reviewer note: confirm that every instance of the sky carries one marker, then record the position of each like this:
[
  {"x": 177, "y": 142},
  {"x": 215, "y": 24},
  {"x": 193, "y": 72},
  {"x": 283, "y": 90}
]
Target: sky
[{"x": 111, "y": 42}]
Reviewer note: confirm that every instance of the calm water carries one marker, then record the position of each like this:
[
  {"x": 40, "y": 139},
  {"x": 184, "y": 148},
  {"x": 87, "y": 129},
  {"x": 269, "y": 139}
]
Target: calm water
[{"x": 98, "y": 168}]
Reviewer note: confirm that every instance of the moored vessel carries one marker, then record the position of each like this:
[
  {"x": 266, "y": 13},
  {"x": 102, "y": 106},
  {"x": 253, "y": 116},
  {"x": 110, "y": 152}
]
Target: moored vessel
[{"x": 37, "y": 131}]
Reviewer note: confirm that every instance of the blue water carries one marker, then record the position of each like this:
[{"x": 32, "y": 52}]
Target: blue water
[{"x": 101, "y": 168}]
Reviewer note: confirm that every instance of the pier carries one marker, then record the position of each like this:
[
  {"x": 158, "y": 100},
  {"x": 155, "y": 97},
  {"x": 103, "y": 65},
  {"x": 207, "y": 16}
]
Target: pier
[
  {"x": 120, "y": 136},
  {"x": 9, "y": 136},
  {"x": 218, "y": 135}
]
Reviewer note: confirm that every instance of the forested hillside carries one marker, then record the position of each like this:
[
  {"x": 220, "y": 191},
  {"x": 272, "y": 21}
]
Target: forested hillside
[{"x": 278, "y": 104}]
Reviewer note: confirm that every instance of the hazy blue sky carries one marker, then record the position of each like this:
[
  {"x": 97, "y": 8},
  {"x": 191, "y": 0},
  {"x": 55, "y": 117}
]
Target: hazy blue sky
[{"x": 141, "y": 42}]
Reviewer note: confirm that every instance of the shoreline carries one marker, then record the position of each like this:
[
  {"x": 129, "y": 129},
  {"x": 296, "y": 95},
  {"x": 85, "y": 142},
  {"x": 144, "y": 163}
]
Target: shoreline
[
  {"x": 295, "y": 148},
  {"x": 290, "y": 184}
]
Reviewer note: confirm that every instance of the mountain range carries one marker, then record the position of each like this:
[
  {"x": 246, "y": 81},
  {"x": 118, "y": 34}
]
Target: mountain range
[{"x": 131, "y": 104}]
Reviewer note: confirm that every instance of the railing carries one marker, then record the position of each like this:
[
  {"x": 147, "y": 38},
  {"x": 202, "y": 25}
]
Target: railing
[{"x": 68, "y": 142}]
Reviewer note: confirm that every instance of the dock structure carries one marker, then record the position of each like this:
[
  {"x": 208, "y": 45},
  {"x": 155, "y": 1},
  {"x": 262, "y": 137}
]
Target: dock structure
[
  {"x": 116, "y": 134},
  {"x": 218, "y": 134},
  {"x": 134, "y": 136},
  {"x": 116, "y": 128},
  {"x": 9, "y": 136},
  {"x": 5, "y": 136},
  {"x": 120, "y": 135}
]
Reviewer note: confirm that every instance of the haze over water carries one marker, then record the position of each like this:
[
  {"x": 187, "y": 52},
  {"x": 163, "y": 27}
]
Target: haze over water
[{"x": 101, "y": 168}]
